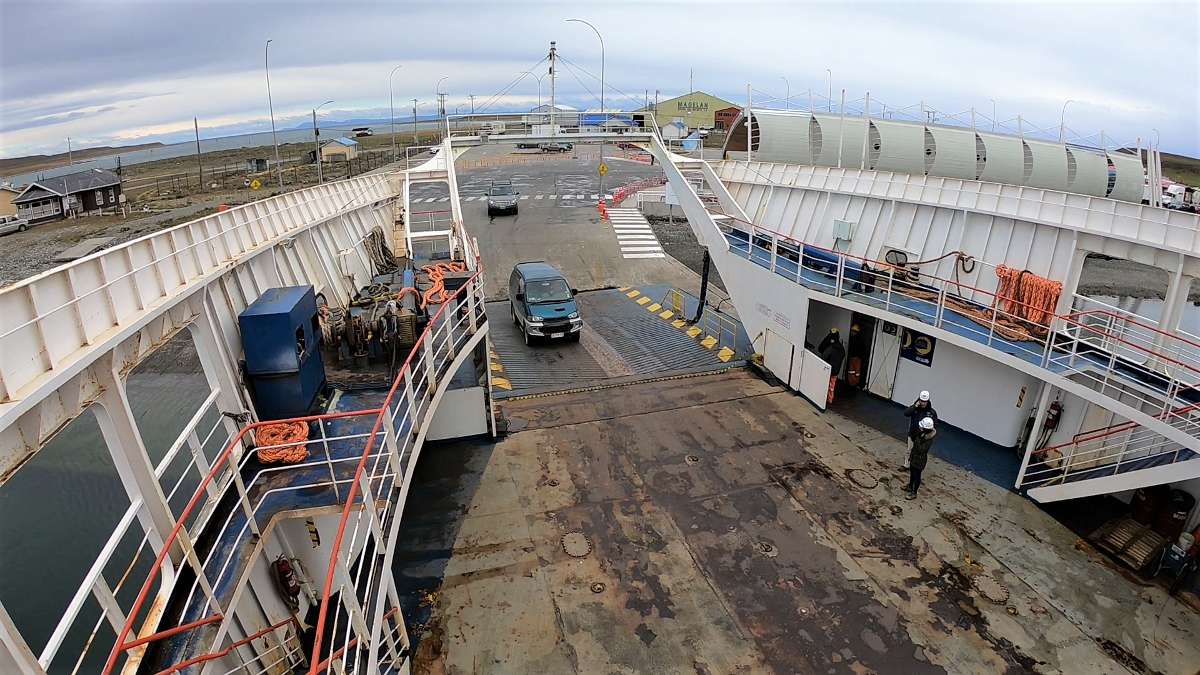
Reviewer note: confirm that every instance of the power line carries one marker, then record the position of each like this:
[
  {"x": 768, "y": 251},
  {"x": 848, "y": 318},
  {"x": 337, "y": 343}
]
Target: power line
[
  {"x": 500, "y": 94},
  {"x": 608, "y": 85}
]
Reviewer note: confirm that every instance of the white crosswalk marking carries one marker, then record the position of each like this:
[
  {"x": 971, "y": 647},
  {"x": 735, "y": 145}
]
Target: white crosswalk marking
[
  {"x": 538, "y": 196},
  {"x": 443, "y": 199},
  {"x": 634, "y": 236}
]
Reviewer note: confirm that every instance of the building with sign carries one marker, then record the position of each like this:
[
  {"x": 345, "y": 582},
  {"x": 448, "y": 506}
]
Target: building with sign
[{"x": 697, "y": 110}]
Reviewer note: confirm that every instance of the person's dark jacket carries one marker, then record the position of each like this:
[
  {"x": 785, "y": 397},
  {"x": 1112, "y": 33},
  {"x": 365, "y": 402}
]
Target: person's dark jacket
[
  {"x": 921, "y": 442},
  {"x": 834, "y": 354},
  {"x": 830, "y": 338},
  {"x": 915, "y": 415}
]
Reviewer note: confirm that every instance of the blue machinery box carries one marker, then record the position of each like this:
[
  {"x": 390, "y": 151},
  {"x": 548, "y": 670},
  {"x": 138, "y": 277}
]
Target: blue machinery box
[{"x": 280, "y": 339}]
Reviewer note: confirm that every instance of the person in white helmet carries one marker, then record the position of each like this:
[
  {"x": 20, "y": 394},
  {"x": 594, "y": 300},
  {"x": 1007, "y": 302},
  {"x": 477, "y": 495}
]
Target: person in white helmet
[
  {"x": 918, "y": 454},
  {"x": 919, "y": 410}
]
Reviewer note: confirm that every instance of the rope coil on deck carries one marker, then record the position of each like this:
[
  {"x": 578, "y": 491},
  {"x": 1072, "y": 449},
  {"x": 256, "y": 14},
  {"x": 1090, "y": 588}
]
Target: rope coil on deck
[{"x": 290, "y": 437}]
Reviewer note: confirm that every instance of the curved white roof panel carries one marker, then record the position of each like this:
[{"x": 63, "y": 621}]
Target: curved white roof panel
[
  {"x": 1130, "y": 177},
  {"x": 1004, "y": 159},
  {"x": 901, "y": 146},
  {"x": 1049, "y": 167},
  {"x": 789, "y": 138},
  {"x": 835, "y": 144},
  {"x": 951, "y": 152},
  {"x": 1090, "y": 172}
]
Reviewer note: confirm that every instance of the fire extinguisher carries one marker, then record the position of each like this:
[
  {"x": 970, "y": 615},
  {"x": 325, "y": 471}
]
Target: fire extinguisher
[
  {"x": 286, "y": 581},
  {"x": 1053, "y": 415}
]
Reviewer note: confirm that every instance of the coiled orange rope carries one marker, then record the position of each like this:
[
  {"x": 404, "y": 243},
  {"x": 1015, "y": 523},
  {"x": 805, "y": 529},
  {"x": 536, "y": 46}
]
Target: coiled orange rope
[
  {"x": 437, "y": 273},
  {"x": 1027, "y": 295},
  {"x": 290, "y": 436}
]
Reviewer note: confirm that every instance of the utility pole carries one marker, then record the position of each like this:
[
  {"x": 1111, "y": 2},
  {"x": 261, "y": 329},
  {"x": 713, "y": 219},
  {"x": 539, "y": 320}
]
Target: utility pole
[
  {"x": 317, "y": 141},
  {"x": 196, "y": 126},
  {"x": 70, "y": 155},
  {"x": 391, "y": 116},
  {"x": 271, "y": 107},
  {"x": 553, "y": 56},
  {"x": 472, "y": 97},
  {"x": 414, "y": 121},
  {"x": 691, "y": 80}
]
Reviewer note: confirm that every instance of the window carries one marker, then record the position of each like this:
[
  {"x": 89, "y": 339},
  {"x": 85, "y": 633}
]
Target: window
[
  {"x": 112, "y": 195},
  {"x": 99, "y": 197}
]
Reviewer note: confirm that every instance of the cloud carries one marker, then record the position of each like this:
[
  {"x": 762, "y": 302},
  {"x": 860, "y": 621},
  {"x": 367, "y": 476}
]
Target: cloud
[{"x": 175, "y": 61}]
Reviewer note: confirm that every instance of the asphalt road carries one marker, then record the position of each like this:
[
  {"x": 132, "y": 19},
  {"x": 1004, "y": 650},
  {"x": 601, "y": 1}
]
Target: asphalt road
[{"x": 557, "y": 220}]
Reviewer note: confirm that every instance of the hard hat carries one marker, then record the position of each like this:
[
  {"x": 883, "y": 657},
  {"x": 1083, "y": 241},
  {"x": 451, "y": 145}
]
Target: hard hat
[
  {"x": 854, "y": 328},
  {"x": 924, "y": 396},
  {"x": 926, "y": 423},
  {"x": 833, "y": 330}
]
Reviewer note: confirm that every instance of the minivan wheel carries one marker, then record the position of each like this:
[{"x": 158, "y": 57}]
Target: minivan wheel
[{"x": 21, "y": 228}]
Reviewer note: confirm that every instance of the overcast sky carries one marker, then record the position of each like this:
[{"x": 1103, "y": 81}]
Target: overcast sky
[{"x": 128, "y": 72}]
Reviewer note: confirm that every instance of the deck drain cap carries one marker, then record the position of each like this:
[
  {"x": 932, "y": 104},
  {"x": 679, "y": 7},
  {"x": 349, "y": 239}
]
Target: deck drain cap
[
  {"x": 576, "y": 544},
  {"x": 990, "y": 588},
  {"x": 692, "y": 459},
  {"x": 597, "y": 587},
  {"x": 767, "y": 548},
  {"x": 553, "y": 482}
]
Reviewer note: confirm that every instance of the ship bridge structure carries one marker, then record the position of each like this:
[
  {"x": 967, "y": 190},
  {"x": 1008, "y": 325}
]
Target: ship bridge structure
[{"x": 911, "y": 239}]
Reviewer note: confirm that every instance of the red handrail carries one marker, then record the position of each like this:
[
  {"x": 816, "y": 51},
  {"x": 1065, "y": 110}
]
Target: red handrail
[
  {"x": 216, "y": 655},
  {"x": 120, "y": 646},
  {"x": 362, "y": 463}
]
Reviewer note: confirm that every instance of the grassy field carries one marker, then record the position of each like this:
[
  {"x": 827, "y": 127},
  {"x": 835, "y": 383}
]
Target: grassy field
[{"x": 1181, "y": 169}]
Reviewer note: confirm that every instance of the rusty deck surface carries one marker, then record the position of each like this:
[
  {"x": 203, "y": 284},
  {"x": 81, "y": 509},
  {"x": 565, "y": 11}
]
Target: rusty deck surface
[{"x": 728, "y": 527}]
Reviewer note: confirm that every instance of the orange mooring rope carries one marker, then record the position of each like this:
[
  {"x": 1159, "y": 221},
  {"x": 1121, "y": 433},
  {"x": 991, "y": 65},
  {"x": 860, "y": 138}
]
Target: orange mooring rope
[
  {"x": 1027, "y": 295},
  {"x": 280, "y": 433},
  {"x": 437, "y": 272}
]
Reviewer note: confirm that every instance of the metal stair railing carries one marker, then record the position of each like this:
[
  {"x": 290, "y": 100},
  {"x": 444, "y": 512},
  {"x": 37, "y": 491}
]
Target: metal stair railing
[
  {"x": 410, "y": 400},
  {"x": 1108, "y": 451},
  {"x": 1068, "y": 345}
]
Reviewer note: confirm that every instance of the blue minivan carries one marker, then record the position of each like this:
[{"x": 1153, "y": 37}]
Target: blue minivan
[{"x": 543, "y": 303}]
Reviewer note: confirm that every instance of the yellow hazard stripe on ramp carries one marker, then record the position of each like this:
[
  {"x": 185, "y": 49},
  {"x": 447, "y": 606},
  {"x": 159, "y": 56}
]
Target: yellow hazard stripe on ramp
[
  {"x": 654, "y": 308},
  {"x": 643, "y": 300},
  {"x": 679, "y": 323},
  {"x": 666, "y": 315},
  {"x": 725, "y": 354},
  {"x": 496, "y": 367},
  {"x": 502, "y": 383},
  {"x": 693, "y": 331},
  {"x": 708, "y": 342},
  {"x": 633, "y": 294},
  {"x": 623, "y": 288}
]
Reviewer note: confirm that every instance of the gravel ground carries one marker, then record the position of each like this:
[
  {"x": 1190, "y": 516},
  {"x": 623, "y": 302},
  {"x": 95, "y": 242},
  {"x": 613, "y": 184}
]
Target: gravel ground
[{"x": 679, "y": 243}]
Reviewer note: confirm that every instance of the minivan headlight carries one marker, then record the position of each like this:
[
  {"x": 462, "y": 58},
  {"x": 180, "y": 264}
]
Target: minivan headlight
[
  {"x": 534, "y": 319},
  {"x": 573, "y": 315}
]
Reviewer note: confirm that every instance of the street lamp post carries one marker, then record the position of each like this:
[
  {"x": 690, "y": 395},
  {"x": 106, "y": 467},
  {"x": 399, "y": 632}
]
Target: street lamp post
[
  {"x": 602, "y": 112},
  {"x": 441, "y": 101},
  {"x": 787, "y": 100},
  {"x": 1062, "y": 120},
  {"x": 392, "y": 111},
  {"x": 829, "y": 88},
  {"x": 993, "y": 113},
  {"x": 317, "y": 141},
  {"x": 271, "y": 107},
  {"x": 539, "y": 81}
]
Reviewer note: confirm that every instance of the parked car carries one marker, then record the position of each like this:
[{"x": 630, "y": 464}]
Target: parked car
[
  {"x": 9, "y": 224},
  {"x": 556, "y": 147},
  {"x": 502, "y": 198},
  {"x": 542, "y": 303}
]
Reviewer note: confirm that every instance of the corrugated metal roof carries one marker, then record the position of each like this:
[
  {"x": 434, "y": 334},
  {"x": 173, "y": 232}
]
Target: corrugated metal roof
[
  {"x": 72, "y": 183},
  {"x": 348, "y": 142}
]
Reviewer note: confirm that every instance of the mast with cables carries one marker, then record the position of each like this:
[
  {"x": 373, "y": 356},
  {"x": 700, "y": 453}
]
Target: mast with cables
[{"x": 552, "y": 57}]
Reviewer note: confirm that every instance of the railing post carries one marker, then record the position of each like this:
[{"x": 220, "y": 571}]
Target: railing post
[
  {"x": 841, "y": 273},
  {"x": 992, "y": 326},
  {"x": 1039, "y": 419},
  {"x": 941, "y": 307}
]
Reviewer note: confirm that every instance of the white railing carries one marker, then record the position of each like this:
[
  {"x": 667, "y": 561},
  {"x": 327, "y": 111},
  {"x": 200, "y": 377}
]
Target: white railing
[
  {"x": 54, "y": 315},
  {"x": 389, "y": 450},
  {"x": 206, "y": 429},
  {"x": 1071, "y": 348},
  {"x": 405, "y": 417}
]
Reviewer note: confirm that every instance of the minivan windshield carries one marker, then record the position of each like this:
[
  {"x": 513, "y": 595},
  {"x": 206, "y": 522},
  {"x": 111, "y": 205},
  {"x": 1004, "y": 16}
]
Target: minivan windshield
[
  {"x": 502, "y": 190},
  {"x": 547, "y": 290}
]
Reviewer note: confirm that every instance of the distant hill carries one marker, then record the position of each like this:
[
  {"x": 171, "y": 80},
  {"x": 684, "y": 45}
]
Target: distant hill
[{"x": 19, "y": 165}]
